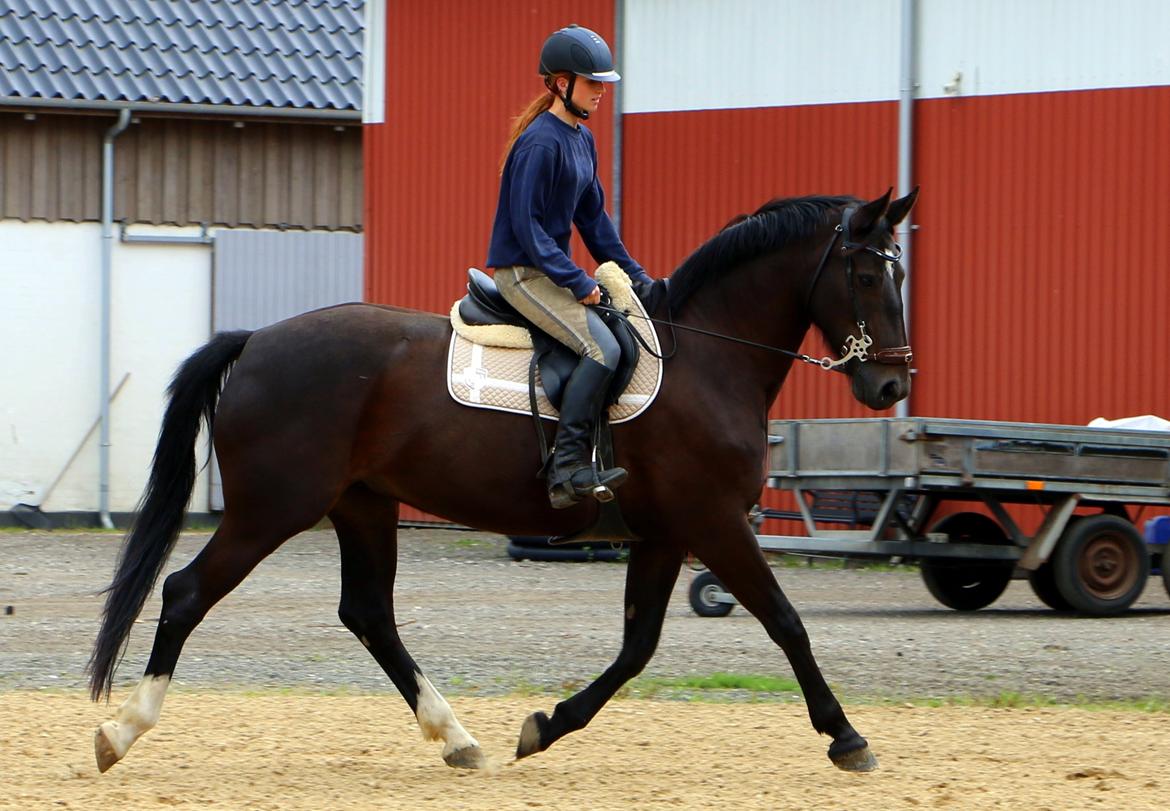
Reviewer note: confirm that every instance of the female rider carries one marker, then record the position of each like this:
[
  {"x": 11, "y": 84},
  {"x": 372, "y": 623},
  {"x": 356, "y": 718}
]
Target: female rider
[{"x": 549, "y": 182}]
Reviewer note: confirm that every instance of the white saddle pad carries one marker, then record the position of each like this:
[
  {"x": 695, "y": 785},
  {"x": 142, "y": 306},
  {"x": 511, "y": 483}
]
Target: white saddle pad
[{"x": 487, "y": 366}]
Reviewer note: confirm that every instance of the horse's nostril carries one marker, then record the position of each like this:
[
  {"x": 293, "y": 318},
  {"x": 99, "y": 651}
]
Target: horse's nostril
[{"x": 892, "y": 391}]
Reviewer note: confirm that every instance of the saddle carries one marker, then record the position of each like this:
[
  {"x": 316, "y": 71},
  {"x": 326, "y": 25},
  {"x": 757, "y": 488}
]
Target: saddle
[{"x": 484, "y": 306}]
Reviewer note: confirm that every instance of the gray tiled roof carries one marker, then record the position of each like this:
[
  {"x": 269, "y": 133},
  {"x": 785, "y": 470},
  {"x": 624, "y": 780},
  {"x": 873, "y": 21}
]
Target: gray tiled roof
[{"x": 257, "y": 53}]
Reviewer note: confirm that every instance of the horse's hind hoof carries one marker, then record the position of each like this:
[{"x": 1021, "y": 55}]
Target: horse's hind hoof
[
  {"x": 469, "y": 757},
  {"x": 858, "y": 760},
  {"x": 531, "y": 735},
  {"x": 103, "y": 750}
]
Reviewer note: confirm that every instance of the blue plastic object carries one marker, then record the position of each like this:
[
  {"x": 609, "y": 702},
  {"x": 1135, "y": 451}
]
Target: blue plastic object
[{"x": 1158, "y": 530}]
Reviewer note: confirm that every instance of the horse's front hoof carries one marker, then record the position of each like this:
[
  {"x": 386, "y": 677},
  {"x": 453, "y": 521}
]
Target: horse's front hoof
[
  {"x": 858, "y": 760},
  {"x": 103, "y": 750},
  {"x": 469, "y": 757},
  {"x": 531, "y": 734}
]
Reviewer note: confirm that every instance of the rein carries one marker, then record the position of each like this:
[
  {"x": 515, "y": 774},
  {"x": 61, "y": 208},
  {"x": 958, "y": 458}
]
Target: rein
[{"x": 854, "y": 347}]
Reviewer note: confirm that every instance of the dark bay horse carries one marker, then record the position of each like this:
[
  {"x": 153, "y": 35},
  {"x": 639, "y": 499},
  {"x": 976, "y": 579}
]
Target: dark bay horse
[{"x": 344, "y": 413}]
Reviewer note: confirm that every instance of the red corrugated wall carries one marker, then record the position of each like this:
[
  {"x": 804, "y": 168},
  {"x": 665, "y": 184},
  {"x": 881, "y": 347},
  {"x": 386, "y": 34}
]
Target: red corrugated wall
[
  {"x": 456, "y": 74},
  {"x": 1041, "y": 289}
]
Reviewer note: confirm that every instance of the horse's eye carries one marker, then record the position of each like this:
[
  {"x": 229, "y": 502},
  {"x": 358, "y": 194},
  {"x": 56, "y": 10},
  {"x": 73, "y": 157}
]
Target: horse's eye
[{"x": 867, "y": 280}]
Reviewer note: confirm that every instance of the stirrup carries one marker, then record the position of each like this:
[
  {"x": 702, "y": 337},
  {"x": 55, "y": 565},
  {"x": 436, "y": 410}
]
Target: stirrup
[{"x": 600, "y": 485}]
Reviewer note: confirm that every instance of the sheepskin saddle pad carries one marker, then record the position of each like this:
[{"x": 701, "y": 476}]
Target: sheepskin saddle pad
[{"x": 488, "y": 364}]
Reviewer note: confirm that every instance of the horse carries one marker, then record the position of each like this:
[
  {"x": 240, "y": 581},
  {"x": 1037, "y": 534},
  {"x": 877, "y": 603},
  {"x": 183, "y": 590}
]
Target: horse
[{"x": 343, "y": 413}]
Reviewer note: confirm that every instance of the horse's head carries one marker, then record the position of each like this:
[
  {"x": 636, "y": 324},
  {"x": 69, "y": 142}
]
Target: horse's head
[{"x": 855, "y": 298}]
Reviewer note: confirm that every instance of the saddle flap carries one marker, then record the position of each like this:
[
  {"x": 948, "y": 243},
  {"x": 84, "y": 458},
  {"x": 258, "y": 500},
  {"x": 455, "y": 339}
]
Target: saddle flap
[{"x": 482, "y": 291}]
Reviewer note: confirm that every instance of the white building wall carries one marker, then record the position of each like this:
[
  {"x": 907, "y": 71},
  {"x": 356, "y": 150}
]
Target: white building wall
[
  {"x": 1031, "y": 46},
  {"x": 50, "y": 329},
  {"x": 698, "y": 54}
]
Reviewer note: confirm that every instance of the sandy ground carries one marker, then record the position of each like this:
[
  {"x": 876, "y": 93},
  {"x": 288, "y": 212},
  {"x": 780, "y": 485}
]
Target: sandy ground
[{"x": 314, "y": 751}]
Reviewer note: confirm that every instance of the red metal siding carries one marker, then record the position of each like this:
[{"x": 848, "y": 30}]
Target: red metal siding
[
  {"x": 1040, "y": 289},
  {"x": 456, "y": 74}
]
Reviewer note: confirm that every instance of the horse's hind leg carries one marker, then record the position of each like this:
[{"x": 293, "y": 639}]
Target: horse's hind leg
[
  {"x": 188, "y": 594},
  {"x": 367, "y": 525},
  {"x": 733, "y": 554},
  {"x": 650, "y": 577}
]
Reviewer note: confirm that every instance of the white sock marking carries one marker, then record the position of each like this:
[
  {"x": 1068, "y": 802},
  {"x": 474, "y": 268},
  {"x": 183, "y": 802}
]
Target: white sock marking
[
  {"x": 437, "y": 721},
  {"x": 137, "y": 715}
]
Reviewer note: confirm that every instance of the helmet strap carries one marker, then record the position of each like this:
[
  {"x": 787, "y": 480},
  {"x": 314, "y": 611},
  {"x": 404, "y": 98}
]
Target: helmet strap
[{"x": 567, "y": 99}]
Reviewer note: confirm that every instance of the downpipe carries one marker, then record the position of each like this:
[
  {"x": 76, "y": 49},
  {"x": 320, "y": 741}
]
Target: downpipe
[
  {"x": 906, "y": 167},
  {"x": 106, "y": 318}
]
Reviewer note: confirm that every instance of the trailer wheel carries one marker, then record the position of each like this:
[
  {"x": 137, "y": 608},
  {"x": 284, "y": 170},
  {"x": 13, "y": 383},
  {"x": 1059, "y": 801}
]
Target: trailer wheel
[
  {"x": 968, "y": 585},
  {"x": 1043, "y": 583},
  {"x": 706, "y": 589},
  {"x": 1043, "y": 579},
  {"x": 1101, "y": 565},
  {"x": 1166, "y": 569}
]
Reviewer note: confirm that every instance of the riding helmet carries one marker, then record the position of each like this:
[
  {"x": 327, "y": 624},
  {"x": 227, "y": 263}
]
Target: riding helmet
[{"x": 580, "y": 51}]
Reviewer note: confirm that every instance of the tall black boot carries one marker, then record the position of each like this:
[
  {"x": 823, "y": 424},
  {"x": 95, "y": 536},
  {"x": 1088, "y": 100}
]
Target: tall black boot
[{"x": 571, "y": 475}]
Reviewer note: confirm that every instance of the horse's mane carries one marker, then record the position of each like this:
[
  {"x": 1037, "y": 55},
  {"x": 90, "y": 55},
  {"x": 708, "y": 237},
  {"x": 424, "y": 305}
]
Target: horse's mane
[{"x": 771, "y": 227}]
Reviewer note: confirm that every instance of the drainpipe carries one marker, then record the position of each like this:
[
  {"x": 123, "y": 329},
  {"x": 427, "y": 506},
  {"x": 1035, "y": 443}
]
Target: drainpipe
[
  {"x": 906, "y": 162},
  {"x": 619, "y": 35},
  {"x": 107, "y": 285}
]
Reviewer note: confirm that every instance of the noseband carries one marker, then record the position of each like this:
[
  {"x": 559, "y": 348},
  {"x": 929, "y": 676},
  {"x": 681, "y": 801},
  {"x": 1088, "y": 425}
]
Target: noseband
[{"x": 857, "y": 347}]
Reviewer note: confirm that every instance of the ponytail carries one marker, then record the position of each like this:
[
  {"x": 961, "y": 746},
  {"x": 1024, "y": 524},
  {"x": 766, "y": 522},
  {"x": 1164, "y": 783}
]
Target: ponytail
[{"x": 521, "y": 122}]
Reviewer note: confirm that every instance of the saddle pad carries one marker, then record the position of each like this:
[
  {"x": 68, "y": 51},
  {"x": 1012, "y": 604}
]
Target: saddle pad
[{"x": 496, "y": 377}]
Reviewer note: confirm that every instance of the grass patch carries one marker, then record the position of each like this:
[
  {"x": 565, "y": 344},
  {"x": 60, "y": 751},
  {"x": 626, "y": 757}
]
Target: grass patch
[
  {"x": 1015, "y": 701},
  {"x": 472, "y": 543},
  {"x": 713, "y": 687}
]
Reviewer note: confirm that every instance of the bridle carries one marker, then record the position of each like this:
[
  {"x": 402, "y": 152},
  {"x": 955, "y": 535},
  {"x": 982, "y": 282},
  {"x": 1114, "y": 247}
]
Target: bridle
[{"x": 856, "y": 347}]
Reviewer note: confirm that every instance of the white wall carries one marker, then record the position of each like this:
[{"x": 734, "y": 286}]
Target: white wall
[
  {"x": 50, "y": 334},
  {"x": 700, "y": 54}
]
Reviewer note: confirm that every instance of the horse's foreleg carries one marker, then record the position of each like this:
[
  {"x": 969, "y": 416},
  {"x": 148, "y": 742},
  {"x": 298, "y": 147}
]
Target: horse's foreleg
[
  {"x": 650, "y": 576},
  {"x": 366, "y": 525},
  {"x": 188, "y": 595},
  {"x": 734, "y": 556}
]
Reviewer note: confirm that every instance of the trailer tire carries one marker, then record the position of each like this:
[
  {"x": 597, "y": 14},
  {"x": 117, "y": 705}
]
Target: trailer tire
[
  {"x": 1101, "y": 565},
  {"x": 968, "y": 585},
  {"x": 1166, "y": 569},
  {"x": 1043, "y": 583},
  {"x": 1043, "y": 579},
  {"x": 704, "y": 588}
]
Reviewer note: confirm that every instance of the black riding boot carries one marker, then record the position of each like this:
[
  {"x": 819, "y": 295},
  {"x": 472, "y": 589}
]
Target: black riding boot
[{"x": 571, "y": 476}]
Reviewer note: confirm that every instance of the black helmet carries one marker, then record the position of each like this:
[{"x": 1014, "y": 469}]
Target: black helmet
[{"x": 579, "y": 51}]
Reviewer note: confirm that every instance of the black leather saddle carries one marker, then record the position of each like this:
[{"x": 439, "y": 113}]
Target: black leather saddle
[{"x": 483, "y": 305}]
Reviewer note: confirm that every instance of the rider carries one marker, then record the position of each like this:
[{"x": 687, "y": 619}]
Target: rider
[{"x": 548, "y": 182}]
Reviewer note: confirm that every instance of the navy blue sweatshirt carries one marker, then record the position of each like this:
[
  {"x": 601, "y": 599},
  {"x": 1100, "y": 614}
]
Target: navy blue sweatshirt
[{"x": 549, "y": 184}]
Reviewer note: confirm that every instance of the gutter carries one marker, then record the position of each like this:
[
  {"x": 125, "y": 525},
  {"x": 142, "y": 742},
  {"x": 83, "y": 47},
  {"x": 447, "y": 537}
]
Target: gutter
[
  {"x": 906, "y": 164},
  {"x": 177, "y": 109},
  {"x": 107, "y": 256},
  {"x": 619, "y": 15}
]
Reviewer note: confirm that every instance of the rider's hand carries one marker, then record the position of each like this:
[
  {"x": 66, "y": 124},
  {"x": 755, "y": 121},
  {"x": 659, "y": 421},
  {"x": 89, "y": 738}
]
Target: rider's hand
[{"x": 592, "y": 298}]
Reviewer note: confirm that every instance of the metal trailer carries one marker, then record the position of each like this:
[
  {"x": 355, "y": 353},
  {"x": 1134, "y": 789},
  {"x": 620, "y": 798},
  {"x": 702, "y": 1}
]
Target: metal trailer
[{"x": 891, "y": 476}]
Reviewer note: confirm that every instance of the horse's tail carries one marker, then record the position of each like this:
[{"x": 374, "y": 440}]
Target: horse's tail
[{"x": 193, "y": 392}]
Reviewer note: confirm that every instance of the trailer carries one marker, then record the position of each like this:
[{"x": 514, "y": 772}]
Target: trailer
[{"x": 872, "y": 488}]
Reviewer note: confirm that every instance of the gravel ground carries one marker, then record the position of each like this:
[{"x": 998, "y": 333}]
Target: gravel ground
[{"x": 478, "y": 622}]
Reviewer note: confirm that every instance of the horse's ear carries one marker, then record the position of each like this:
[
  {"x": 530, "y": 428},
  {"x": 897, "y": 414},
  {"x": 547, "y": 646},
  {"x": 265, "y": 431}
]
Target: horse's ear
[
  {"x": 866, "y": 218},
  {"x": 901, "y": 207}
]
